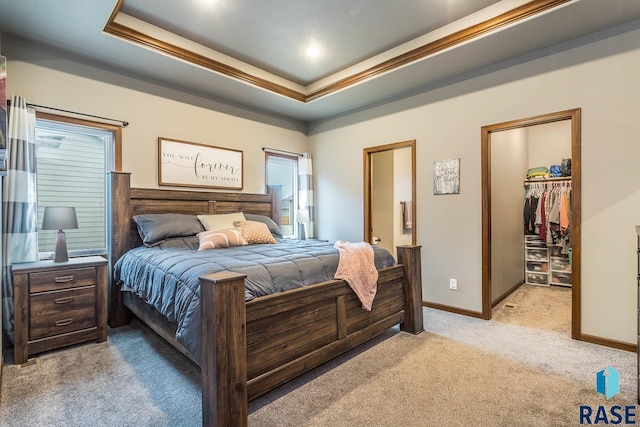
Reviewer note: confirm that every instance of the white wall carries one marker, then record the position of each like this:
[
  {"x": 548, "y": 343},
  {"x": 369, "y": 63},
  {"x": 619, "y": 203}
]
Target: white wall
[
  {"x": 50, "y": 78},
  {"x": 596, "y": 74}
]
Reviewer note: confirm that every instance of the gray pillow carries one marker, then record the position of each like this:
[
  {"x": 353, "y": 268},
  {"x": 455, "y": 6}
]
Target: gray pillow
[
  {"x": 273, "y": 227},
  {"x": 156, "y": 228}
]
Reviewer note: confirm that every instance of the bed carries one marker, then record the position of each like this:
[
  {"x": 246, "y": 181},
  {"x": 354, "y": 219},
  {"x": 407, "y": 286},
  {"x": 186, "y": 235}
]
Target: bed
[{"x": 250, "y": 347}]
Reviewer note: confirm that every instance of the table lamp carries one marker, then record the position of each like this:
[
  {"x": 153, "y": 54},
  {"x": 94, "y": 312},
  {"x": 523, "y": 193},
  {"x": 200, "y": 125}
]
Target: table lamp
[{"x": 58, "y": 218}]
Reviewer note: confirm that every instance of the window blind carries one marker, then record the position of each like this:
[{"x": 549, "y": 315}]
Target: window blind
[{"x": 71, "y": 171}]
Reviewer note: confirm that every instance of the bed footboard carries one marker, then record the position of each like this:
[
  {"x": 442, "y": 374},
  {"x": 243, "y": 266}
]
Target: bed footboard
[
  {"x": 251, "y": 348},
  {"x": 223, "y": 364}
]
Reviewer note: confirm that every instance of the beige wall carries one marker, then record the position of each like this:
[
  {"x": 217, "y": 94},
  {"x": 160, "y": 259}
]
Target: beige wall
[
  {"x": 508, "y": 169},
  {"x": 550, "y": 143},
  {"x": 49, "y": 78},
  {"x": 401, "y": 192},
  {"x": 595, "y": 74}
]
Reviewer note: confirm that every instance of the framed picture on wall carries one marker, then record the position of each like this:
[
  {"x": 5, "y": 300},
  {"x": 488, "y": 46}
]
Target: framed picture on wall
[
  {"x": 189, "y": 164},
  {"x": 446, "y": 176}
]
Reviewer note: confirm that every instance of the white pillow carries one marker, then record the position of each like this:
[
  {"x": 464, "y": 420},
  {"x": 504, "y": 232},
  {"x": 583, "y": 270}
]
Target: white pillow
[{"x": 220, "y": 221}]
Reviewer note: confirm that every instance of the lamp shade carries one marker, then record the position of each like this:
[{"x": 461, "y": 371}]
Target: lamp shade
[{"x": 59, "y": 218}]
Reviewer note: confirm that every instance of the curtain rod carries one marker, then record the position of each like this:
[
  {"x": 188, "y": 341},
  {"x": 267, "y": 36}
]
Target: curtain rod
[
  {"x": 122, "y": 122},
  {"x": 275, "y": 150}
]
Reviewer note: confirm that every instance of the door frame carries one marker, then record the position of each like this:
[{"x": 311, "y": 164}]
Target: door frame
[
  {"x": 367, "y": 153},
  {"x": 576, "y": 208}
]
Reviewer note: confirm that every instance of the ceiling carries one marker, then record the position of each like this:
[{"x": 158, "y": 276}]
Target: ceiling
[{"x": 252, "y": 53}]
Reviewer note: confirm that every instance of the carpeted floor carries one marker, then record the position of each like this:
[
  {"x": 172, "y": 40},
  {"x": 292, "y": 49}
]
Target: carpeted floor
[
  {"x": 542, "y": 307},
  {"x": 461, "y": 372}
]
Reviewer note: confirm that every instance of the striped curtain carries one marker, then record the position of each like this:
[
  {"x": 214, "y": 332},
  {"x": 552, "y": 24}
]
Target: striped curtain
[
  {"x": 19, "y": 202},
  {"x": 305, "y": 192}
]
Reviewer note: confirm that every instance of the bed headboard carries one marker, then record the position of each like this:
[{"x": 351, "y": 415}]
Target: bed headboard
[{"x": 127, "y": 202}]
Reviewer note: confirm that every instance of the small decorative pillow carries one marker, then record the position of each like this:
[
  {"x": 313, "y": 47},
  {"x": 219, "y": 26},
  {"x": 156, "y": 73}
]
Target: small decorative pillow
[
  {"x": 220, "y": 221},
  {"x": 273, "y": 227},
  {"x": 255, "y": 232},
  {"x": 220, "y": 239}
]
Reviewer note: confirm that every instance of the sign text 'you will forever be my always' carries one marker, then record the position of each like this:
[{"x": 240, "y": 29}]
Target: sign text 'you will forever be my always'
[{"x": 187, "y": 164}]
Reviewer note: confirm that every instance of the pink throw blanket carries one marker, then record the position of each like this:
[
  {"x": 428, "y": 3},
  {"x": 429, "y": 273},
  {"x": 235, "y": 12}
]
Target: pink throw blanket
[{"x": 357, "y": 267}]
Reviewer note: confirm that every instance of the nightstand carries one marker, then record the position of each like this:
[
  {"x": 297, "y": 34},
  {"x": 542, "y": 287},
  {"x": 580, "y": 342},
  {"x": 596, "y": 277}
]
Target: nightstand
[{"x": 58, "y": 304}]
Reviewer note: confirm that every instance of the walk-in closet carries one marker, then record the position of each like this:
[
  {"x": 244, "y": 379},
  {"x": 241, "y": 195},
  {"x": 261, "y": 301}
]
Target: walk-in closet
[{"x": 531, "y": 191}]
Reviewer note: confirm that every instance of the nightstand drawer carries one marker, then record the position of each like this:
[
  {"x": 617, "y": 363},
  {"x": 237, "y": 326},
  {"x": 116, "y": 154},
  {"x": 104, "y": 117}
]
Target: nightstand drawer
[
  {"x": 58, "y": 304},
  {"x": 46, "y": 303},
  {"x": 62, "y": 279},
  {"x": 60, "y": 323}
]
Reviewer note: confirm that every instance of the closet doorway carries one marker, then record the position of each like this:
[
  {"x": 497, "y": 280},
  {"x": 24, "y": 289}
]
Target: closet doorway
[
  {"x": 390, "y": 194},
  {"x": 489, "y": 246}
]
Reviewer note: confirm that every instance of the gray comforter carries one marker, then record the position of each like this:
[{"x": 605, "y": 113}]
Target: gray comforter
[{"x": 166, "y": 276}]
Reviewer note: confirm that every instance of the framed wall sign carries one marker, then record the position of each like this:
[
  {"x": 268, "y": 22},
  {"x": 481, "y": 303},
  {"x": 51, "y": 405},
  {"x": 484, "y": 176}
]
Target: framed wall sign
[
  {"x": 446, "y": 176},
  {"x": 188, "y": 164}
]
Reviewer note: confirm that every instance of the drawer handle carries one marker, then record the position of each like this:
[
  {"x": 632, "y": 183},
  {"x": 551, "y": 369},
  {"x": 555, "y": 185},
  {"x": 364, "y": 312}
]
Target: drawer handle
[
  {"x": 63, "y": 300},
  {"x": 64, "y": 279},
  {"x": 64, "y": 322}
]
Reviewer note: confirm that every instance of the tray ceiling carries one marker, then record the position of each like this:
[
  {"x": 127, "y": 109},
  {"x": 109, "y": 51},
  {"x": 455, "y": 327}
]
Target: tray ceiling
[{"x": 252, "y": 54}]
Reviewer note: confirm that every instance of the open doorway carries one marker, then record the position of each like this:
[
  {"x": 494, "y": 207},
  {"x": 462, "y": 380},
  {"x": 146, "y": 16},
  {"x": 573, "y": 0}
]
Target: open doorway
[
  {"x": 390, "y": 194},
  {"x": 491, "y": 265}
]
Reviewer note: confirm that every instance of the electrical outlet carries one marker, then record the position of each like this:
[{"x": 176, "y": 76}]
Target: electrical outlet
[{"x": 453, "y": 284}]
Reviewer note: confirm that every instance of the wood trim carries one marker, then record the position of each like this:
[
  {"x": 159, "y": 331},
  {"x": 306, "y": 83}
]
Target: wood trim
[
  {"x": 366, "y": 153},
  {"x": 117, "y": 132},
  {"x": 576, "y": 207},
  {"x": 452, "y": 309},
  {"x": 485, "y": 158},
  {"x": 576, "y": 224},
  {"x": 170, "y": 49},
  {"x": 511, "y": 17},
  {"x": 608, "y": 342},
  {"x": 508, "y": 18}
]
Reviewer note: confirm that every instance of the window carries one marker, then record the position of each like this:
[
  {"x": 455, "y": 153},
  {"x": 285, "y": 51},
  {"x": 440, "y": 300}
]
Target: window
[
  {"x": 72, "y": 161},
  {"x": 283, "y": 170}
]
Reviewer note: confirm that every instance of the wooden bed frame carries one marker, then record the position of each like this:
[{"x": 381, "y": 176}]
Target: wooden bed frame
[{"x": 249, "y": 348}]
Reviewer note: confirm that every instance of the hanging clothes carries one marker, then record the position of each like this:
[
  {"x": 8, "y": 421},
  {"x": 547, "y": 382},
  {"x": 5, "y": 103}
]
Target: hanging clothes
[{"x": 547, "y": 212}]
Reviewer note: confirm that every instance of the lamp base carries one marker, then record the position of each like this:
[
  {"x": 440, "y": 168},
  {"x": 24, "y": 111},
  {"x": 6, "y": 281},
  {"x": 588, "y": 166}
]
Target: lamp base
[{"x": 60, "y": 254}]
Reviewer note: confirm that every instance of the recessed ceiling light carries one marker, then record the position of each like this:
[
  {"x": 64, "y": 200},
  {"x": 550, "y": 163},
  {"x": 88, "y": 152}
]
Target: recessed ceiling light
[{"x": 312, "y": 52}]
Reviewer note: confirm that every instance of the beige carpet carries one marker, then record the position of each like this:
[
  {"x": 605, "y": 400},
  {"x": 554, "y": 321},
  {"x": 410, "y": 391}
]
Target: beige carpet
[
  {"x": 461, "y": 372},
  {"x": 542, "y": 307},
  {"x": 432, "y": 381}
]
